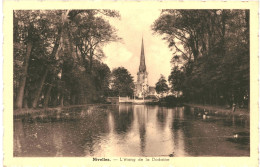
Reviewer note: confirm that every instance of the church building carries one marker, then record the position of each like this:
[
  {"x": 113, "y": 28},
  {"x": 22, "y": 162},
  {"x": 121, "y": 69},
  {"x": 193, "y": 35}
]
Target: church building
[{"x": 141, "y": 86}]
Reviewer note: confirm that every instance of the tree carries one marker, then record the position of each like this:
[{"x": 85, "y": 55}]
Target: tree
[
  {"x": 122, "y": 83},
  {"x": 32, "y": 32},
  {"x": 213, "y": 50},
  {"x": 161, "y": 86},
  {"x": 101, "y": 77},
  {"x": 90, "y": 33},
  {"x": 176, "y": 79},
  {"x": 49, "y": 68}
]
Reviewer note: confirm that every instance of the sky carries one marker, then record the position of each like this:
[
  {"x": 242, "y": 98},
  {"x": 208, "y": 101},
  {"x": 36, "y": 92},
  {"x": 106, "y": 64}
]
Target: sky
[{"x": 134, "y": 24}]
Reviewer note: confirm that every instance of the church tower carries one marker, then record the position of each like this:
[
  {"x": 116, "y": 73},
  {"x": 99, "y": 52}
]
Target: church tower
[{"x": 142, "y": 87}]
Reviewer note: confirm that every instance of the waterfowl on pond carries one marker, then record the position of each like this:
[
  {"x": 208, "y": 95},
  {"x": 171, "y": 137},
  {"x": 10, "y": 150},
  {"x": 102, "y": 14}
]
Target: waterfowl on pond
[
  {"x": 35, "y": 135},
  {"x": 204, "y": 116},
  {"x": 240, "y": 137},
  {"x": 171, "y": 155}
]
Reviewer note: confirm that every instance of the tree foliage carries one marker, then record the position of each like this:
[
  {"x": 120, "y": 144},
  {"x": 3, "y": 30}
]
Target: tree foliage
[
  {"x": 122, "y": 83},
  {"x": 161, "y": 86},
  {"x": 176, "y": 79},
  {"x": 212, "y": 48},
  {"x": 58, "y": 56}
]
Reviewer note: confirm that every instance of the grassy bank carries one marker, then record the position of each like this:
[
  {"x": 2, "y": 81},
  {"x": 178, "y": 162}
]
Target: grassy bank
[
  {"x": 24, "y": 111},
  {"x": 221, "y": 109}
]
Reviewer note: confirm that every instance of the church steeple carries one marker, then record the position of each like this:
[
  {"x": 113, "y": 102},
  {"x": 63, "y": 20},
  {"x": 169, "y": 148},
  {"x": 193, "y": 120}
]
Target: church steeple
[
  {"x": 142, "y": 87},
  {"x": 142, "y": 67}
]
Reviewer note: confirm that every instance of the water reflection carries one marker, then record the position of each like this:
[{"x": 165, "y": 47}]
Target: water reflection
[
  {"x": 123, "y": 118},
  {"x": 162, "y": 116},
  {"x": 142, "y": 116},
  {"x": 131, "y": 130}
]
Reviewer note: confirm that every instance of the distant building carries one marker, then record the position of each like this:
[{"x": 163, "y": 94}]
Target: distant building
[
  {"x": 141, "y": 86},
  {"x": 152, "y": 91},
  {"x": 142, "y": 89}
]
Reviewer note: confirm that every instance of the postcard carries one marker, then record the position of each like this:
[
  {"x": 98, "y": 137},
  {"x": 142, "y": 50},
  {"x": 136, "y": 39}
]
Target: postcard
[{"x": 130, "y": 83}]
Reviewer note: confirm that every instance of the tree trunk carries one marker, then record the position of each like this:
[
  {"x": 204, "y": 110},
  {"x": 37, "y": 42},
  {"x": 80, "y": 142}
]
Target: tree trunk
[
  {"x": 210, "y": 98},
  {"x": 47, "y": 96},
  {"x": 216, "y": 100},
  {"x": 61, "y": 100},
  {"x": 53, "y": 54},
  {"x": 91, "y": 61},
  {"x": 54, "y": 100},
  {"x": 38, "y": 92},
  {"x": 20, "y": 94},
  {"x": 25, "y": 101},
  {"x": 77, "y": 100},
  {"x": 73, "y": 99}
]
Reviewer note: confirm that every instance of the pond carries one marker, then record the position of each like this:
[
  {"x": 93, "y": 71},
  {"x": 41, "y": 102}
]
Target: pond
[{"x": 127, "y": 130}]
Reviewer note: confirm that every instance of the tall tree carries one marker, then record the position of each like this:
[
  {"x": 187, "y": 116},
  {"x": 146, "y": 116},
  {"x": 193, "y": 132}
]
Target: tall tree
[
  {"x": 30, "y": 28},
  {"x": 122, "y": 83},
  {"x": 60, "y": 35},
  {"x": 91, "y": 33},
  {"x": 48, "y": 64},
  {"x": 176, "y": 79},
  {"x": 213, "y": 50},
  {"x": 161, "y": 86}
]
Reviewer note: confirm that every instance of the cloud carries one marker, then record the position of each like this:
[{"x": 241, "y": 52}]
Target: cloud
[
  {"x": 158, "y": 61},
  {"x": 116, "y": 54}
]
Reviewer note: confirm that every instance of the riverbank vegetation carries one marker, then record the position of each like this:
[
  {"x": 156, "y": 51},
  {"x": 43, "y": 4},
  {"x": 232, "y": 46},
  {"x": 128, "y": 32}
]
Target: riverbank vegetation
[
  {"x": 58, "y": 55},
  {"x": 210, "y": 54},
  {"x": 171, "y": 101}
]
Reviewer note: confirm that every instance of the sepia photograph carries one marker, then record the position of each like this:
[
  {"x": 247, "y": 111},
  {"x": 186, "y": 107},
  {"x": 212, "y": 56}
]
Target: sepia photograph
[{"x": 129, "y": 83}]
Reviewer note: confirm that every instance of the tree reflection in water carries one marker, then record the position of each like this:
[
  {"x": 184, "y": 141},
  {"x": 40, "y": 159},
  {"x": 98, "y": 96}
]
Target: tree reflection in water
[{"x": 128, "y": 130}]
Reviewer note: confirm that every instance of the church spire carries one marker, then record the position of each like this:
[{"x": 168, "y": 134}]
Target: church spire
[{"x": 142, "y": 67}]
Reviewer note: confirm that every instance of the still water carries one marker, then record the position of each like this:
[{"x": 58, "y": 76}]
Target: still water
[{"x": 130, "y": 130}]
